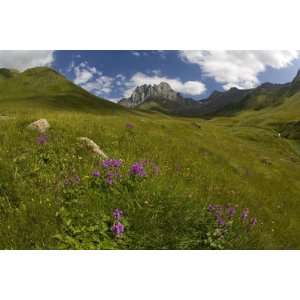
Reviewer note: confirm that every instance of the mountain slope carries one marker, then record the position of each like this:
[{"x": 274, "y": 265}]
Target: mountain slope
[
  {"x": 235, "y": 101},
  {"x": 43, "y": 87}
]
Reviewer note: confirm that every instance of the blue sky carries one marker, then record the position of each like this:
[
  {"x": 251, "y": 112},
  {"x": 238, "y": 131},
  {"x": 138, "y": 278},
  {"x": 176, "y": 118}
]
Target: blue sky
[{"x": 114, "y": 74}]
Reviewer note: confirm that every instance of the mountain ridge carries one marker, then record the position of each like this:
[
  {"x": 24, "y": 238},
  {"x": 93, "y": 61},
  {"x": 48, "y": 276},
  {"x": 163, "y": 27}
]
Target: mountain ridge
[{"x": 218, "y": 101}]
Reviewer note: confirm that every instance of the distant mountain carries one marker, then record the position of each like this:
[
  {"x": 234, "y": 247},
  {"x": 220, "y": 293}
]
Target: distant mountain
[
  {"x": 159, "y": 97},
  {"x": 163, "y": 98}
]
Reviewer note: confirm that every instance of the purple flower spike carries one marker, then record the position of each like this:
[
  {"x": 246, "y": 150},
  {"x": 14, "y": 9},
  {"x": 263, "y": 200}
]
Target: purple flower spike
[
  {"x": 220, "y": 220},
  {"x": 111, "y": 163},
  {"x": 42, "y": 139},
  {"x": 231, "y": 211},
  {"x": 137, "y": 169},
  {"x": 118, "y": 229},
  {"x": 118, "y": 214},
  {"x": 109, "y": 178},
  {"x": 96, "y": 174},
  {"x": 210, "y": 207},
  {"x": 129, "y": 125},
  {"x": 253, "y": 222},
  {"x": 245, "y": 214}
]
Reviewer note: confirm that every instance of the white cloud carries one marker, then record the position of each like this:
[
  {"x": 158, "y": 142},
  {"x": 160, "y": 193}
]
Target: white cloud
[
  {"x": 22, "y": 60},
  {"x": 91, "y": 79},
  {"x": 238, "y": 68},
  {"x": 188, "y": 87},
  {"x": 156, "y": 72},
  {"x": 135, "y": 53},
  {"x": 120, "y": 79},
  {"x": 100, "y": 85},
  {"x": 83, "y": 73}
]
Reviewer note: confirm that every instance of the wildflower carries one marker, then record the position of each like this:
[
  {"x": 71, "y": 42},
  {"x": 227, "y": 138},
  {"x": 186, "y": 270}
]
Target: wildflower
[
  {"x": 220, "y": 220},
  {"x": 42, "y": 139},
  {"x": 118, "y": 228},
  {"x": 210, "y": 207},
  {"x": 231, "y": 211},
  {"x": 118, "y": 214},
  {"x": 137, "y": 169},
  {"x": 96, "y": 173},
  {"x": 111, "y": 163},
  {"x": 245, "y": 214},
  {"x": 129, "y": 126},
  {"x": 109, "y": 178},
  {"x": 253, "y": 222}
]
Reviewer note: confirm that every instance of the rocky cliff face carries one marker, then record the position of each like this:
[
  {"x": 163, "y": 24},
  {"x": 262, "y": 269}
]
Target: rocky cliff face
[{"x": 162, "y": 91}]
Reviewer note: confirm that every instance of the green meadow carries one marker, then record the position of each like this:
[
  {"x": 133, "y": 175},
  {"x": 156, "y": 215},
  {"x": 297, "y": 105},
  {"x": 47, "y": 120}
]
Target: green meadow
[{"x": 50, "y": 197}]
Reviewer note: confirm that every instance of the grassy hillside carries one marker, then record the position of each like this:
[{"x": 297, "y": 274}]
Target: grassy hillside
[
  {"x": 52, "y": 197},
  {"x": 44, "y": 89}
]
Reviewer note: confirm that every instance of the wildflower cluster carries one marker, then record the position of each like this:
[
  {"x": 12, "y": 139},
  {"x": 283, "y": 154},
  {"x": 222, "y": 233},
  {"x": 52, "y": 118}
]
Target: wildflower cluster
[
  {"x": 117, "y": 228},
  {"x": 138, "y": 170},
  {"x": 129, "y": 126},
  {"x": 224, "y": 215},
  {"x": 111, "y": 170}
]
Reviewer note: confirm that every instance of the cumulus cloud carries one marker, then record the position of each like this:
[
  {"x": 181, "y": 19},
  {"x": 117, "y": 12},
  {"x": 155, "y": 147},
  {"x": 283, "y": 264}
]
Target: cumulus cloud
[
  {"x": 91, "y": 79},
  {"x": 120, "y": 79},
  {"x": 22, "y": 60},
  {"x": 188, "y": 87},
  {"x": 83, "y": 73},
  {"x": 100, "y": 85},
  {"x": 238, "y": 68}
]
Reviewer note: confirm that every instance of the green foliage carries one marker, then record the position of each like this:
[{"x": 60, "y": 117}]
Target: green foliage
[{"x": 50, "y": 200}]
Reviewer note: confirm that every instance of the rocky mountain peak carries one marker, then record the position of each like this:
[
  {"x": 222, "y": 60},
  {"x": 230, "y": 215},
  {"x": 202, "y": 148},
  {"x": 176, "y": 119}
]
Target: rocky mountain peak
[{"x": 161, "y": 91}]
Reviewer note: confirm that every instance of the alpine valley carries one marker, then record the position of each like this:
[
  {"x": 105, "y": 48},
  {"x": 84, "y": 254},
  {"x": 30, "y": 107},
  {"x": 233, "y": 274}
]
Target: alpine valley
[{"x": 154, "y": 171}]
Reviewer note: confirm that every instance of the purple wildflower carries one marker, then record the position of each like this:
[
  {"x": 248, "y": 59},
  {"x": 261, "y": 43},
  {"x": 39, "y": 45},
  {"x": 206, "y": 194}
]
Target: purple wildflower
[
  {"x": 111, "y": 163},
  {"x": 118, "y": 214},
  {"x": 109, "y": 178},
  {"x": 118, "y": 228},
  {"x": 42, "y": 139},
  {"x": 231, "y": 211},
  {"x": 129, "y": 126},
  {"x": 137, "y": 169},
  {"x": 245, "y": 214},
  {"x": 220, "y": 220},
  {"x": 253, "y": 222},
  {"x": 210, "y": 207},
  {"x": 96, "y": 173}
]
